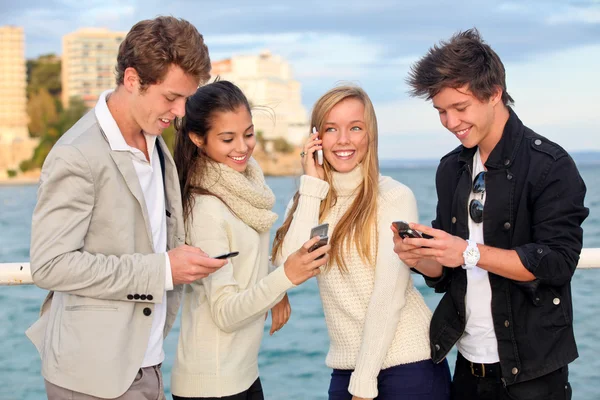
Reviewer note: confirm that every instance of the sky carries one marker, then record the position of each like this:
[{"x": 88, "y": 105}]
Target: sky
[{"x": 550, "y": 49}]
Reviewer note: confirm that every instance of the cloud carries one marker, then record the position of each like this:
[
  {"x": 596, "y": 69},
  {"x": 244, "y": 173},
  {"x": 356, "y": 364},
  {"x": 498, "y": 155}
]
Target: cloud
[
  {"x": 556, "y": 94},
  {"x": 587, "y": 15}
]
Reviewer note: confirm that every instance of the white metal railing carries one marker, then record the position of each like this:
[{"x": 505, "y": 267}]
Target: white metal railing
[{"x": 20, "y": 273}]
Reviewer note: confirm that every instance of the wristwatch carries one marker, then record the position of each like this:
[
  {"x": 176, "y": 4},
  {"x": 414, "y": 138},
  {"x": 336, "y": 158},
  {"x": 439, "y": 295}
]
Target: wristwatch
[{"x": 471, "y": 255}]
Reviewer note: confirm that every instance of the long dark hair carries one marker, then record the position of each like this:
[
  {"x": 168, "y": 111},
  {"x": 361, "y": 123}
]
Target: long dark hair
[{"x": 200, "y": 109}]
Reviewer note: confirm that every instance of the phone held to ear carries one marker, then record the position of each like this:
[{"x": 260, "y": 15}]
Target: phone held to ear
[
  {"x": 321, "y": 231},
  {"x": 319, "y": 152},
  {"x": 227, "y": 255},
  {"x": 405, "y": 231}
]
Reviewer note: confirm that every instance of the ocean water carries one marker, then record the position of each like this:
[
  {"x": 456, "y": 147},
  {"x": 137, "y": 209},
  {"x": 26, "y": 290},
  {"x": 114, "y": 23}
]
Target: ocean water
[{"x": 292, "y": 362}]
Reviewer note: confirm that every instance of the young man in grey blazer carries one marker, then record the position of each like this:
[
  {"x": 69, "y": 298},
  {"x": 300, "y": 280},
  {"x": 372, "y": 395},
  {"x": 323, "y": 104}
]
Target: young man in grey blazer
[{"x": 107, "y": 231}]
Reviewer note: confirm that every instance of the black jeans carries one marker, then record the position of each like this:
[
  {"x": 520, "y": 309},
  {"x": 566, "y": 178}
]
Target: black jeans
[
  {"x": 254, "y": 392},
  {"x": 466, "y": 386}
]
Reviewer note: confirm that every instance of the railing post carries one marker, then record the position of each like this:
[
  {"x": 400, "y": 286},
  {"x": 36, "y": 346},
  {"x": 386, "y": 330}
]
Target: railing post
[{"x": 15, "y": 274}]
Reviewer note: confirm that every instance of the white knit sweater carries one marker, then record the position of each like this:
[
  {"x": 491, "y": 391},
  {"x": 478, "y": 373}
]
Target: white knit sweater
[
  {"x": 375, "y": 317},
  {"x": 223, "y": 315}
]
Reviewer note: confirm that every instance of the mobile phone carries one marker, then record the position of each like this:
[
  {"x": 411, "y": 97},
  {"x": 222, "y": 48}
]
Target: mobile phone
[
  {"x": 319, "y": 152},
  {"x": 227, "y": 255},
  {"x": 322, "y": 242},
  {"x": 321, "y": 231},
  {"x": 405, "y": 231}
]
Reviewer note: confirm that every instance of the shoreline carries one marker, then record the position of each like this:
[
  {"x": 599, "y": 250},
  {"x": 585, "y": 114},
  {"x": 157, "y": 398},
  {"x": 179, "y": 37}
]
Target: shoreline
[{"x": 19, "y": 181}]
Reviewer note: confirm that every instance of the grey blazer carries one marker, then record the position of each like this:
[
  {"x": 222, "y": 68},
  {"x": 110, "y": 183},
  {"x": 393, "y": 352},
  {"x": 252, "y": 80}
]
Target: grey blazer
[{"x": 91, "y": 246}]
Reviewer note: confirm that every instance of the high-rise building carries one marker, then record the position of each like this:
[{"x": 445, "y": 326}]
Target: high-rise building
[
  {"x": 15, "y": 143},
  {"x": 13, "y": 85},
  {"x": 88, "y": 63},
  {"x": 267, "y": 82}
]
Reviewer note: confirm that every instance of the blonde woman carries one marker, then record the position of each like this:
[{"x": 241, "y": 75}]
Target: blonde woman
[{"x": 377, "y": 321}]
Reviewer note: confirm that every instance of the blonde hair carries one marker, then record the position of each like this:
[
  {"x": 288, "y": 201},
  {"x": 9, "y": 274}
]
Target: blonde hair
[{"x": 356, "y": 225}]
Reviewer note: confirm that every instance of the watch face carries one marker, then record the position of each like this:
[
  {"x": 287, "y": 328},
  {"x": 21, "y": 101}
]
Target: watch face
[{"x": 472, "y": 256}]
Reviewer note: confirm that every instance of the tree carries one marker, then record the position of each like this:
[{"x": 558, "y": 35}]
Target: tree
[
  {"x": 41, "y": 109},
  {"x": 44, "y": 72},
  {"x": 66, "y": 119}
]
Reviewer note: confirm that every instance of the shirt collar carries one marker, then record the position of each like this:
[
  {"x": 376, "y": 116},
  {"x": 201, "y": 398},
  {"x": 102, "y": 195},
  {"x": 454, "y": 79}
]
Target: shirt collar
[{"x": 111, "y": 130}]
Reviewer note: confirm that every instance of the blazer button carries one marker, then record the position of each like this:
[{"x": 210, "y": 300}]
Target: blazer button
[
  {"x": 149, "y": 297},
  {"x": 515, "y": 371},
  {"x": 147, "y": 311},
  {"x": 453, "y": 220},
  {"x": 506, "y": 226},
  {"x": 506, "y": 323},
  {"x": 437, "y": 347},
  {"x": 509, "y": 176},
  {"x": 506, "y": 162},
  {"x": 540, "y": 251},
  {"x": 143, "y": 297},
  {"x": 136, "y": 296},
  {"x": 129, "y": 297},
  {"x": 556, "y": 301}
]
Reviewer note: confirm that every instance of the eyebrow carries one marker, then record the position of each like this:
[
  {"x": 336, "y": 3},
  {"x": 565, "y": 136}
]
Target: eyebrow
[
  {"x": 461, "y": 103},
  {"x": 233, "y": 133},
  {"x": 352, "y": 122},
  {"x": 176, "y": 94}
]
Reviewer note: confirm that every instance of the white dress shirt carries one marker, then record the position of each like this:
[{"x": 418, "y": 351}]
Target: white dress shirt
[{"x": 151, "y": 181}]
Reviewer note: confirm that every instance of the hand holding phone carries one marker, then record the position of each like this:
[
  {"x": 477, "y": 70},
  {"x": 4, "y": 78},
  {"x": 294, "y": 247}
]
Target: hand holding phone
[
  {"x": 321, "y": 231},
  {"x": 318, "y": 152}
]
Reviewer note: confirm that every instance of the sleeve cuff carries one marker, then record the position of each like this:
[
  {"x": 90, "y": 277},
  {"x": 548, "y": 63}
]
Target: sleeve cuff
[
  {"x": 366, "y": 388},
  {"x": 313, "y": 187},
  {"x": 168, "y": 274},
  {"x": 281, "y": 282}
]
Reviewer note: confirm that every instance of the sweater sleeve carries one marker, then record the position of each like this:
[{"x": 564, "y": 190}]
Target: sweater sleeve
[
  {"x": 312, "y": 191},
  {"x": 231, "y": 306},
  {"x": 389, "y": 294}
]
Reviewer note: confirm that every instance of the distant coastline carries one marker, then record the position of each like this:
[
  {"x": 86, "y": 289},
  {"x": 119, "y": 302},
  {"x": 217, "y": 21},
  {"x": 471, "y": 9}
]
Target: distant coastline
[{"x": 288, "y": 164}]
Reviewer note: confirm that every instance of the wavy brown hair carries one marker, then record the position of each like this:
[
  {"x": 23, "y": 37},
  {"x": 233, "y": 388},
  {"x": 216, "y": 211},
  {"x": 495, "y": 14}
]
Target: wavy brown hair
[
  {"x": 153, "y": 45},
  {"x": 355, "y": 226},
  {"x": 463, "y": 60}
]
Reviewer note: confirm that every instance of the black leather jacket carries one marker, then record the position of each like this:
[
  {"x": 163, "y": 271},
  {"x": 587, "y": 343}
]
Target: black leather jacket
[{"x": 534, "y": 205}]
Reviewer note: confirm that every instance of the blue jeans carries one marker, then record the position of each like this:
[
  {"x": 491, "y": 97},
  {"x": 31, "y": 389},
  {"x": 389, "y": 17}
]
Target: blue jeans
[{"x": 422, "y": 380}]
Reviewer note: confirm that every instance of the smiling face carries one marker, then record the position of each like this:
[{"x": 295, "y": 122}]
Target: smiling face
[
  {"x": 468, "y": 118},
  {"x": 155, "y": 108},
  {"x": 230, "y": 139},
  {"x": 344, "y": 134}
]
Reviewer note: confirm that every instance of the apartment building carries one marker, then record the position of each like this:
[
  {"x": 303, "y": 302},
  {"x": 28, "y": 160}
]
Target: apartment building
[
  {"x": 267, "y": 81},
  {"x": 13, "y": 85},
  {"x": 88, "y": 63}
]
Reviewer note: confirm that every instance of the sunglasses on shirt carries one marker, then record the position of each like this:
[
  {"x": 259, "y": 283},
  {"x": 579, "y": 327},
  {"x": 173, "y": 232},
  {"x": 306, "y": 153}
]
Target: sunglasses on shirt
[{"x": 476, "y": 206}]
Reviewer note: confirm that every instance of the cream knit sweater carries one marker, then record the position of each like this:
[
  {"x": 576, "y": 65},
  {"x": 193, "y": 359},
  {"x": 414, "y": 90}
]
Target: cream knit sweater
[
  {"x": 223, "y": 315},
  {"x": 375, "y": 317}
]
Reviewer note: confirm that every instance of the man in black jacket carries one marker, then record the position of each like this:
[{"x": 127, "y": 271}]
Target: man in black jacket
[{"x": 506, "y": 238}]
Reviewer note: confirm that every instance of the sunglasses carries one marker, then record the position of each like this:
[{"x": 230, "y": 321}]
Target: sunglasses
[{"x": 476, "y": 206}]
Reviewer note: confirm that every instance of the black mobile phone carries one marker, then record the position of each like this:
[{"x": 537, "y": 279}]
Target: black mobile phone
[
  {"x": 321, "y": 231},
  {"x": 405, "y": 231},
  {"x": 227, "y": 255}
]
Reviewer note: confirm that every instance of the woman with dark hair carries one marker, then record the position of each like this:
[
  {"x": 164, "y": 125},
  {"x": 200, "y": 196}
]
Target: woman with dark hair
[{"x": 227, "y": 208}]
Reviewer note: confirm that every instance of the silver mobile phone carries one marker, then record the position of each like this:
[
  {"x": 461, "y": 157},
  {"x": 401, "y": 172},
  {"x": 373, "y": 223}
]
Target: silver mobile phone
[{"x": 321, "y": 231}]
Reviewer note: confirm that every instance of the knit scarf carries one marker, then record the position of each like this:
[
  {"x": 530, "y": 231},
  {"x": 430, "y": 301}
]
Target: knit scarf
[{"x": 245, "y": 193}]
